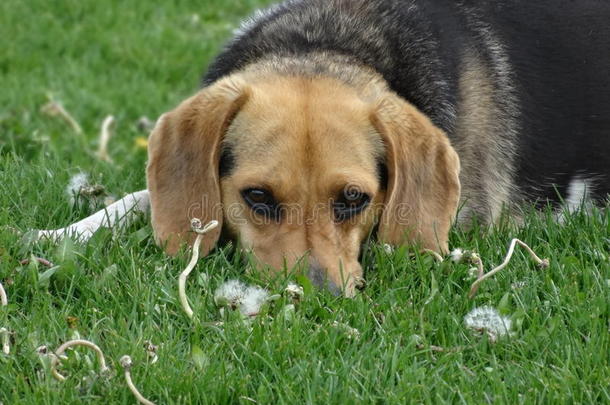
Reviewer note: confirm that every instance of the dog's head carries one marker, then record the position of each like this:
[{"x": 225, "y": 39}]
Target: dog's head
[{"x": 295, "y": 166}]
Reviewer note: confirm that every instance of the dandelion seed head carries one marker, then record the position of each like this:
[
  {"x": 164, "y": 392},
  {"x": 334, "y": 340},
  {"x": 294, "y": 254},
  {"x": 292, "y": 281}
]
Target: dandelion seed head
[
  {"x": 145, "y": 124},
  {"x": 77, "y": 182},
  {"x": 236, "y": 295},
  {"x": 294, "y": 291},
  {"x": 231, "y": 293},
  {"x": 456, "y": 255},
  {"x": 351, "y": 333},
  {"x": 253, "y": 299},
  {"x": 42, "y": 350},
  {"x": 488, "y": 320},
  {"x": 473, "y": 272},
  {"x": 151, "y": 351}
]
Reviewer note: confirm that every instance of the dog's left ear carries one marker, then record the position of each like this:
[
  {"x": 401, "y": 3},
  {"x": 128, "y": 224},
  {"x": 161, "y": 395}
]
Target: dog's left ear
[
  {"x": 183, "y": 164},
  {"x": 423, "y": 177}
]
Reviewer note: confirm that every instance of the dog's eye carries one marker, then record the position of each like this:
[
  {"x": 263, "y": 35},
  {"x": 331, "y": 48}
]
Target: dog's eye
[
  {"x": 351, "y": 202},
  {"x": 261, "y": 202}
]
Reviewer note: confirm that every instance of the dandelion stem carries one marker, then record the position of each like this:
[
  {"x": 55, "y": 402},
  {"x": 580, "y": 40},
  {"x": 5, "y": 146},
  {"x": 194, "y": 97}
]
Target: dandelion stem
[
  {"x": 201, "y": 231},
  {"x": 56, "y": 358},
  {"x": 126, "y": 363},
  {"x": 55, "y": 109},
  {"x": 544, "y": 263},
  {"x": 3, "y": 297},
  {"x": 476, "y": 260},
  {"x": 434, "y": 254},
  {"x": 6, "y": 348},
  {"x": 40, "y": 260},
  {"x": 105, "y": 136}
]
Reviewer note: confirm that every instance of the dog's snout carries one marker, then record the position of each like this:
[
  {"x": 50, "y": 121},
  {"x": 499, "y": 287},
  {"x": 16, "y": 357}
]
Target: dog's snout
[{"x": 319, "y": 277}]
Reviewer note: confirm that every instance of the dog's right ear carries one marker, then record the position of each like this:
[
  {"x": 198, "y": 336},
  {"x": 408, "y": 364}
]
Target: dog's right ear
[{"x": 183, "y": 164}]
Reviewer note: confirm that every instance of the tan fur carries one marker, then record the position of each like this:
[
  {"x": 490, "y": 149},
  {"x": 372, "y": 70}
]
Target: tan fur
[
  {"x": 182, "y": 170},
  {"x": 424, "y": 185},
  {"x": 305, "y": 139}
]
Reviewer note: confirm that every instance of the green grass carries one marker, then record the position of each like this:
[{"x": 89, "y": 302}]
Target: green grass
[{"x": 135, "y": 58}]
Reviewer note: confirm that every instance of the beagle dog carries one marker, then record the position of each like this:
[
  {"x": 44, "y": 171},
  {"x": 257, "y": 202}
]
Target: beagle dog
[{"x": 325, "y": 121}]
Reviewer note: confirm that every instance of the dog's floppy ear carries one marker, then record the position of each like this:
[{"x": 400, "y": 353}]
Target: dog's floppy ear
[
  {"x": 183, "y": 163},
  {"x": 423, "y": 184}
]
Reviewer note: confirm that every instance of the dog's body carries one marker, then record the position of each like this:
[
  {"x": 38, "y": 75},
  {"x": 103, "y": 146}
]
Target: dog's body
[{"x": 319, "y": 95}]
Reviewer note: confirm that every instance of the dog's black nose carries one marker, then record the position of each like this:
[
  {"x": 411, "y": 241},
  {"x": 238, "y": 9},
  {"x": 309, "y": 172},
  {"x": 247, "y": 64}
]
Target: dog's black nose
[{"x": 317, "y": 275}]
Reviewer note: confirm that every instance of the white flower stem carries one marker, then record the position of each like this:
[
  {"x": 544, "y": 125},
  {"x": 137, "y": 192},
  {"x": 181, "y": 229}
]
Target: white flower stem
[
  {"x": 105, "y": 136},
  {"x": 55, "y": 109},
  {"x": 55, "y": 359},
  {"x": 126, "y": 364},
  {"x": 201, "y": 231},
  {"x": 6, "y": 348},
  {"x": 3, "y": 297},
  {"x": 434, "y": 254},
  {"x": 544, "y": 263}
]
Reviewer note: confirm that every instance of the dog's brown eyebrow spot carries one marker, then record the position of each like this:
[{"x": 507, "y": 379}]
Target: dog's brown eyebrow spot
[
  {"x": 382, "y": 174},
  {"x": 227, "y": 162}
]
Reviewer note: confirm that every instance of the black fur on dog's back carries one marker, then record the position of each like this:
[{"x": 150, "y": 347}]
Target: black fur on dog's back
[
  {"x": 548, "y": 63},
  {"x": 393, "y": 37},
  {"x": 560, "y": 53}
]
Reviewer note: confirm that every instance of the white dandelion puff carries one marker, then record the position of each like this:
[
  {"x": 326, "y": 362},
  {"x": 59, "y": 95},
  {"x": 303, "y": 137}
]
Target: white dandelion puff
[
  {"x": 456, "y": 255},
  {"x": 351, "y": 333},
  {"x": 80, "y": 190},
  {"x": 230, "y": 294},
  {"x": 77, "y": 182},
  {"x": 473, "y": 272},
  {"x": 389, "y": 249},
  {"x": 294, "y": 291},
  {"x": 487, "y": 320},
  {"x": 254, "y": 298},
  {"x": 236, "y": 295},
  {"x": 42, "y": 350},
  {"x": 151, "y": 351}
]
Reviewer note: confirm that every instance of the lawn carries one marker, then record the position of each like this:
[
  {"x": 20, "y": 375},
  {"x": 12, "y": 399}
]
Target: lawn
[{"x": 140, "y": 58}]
